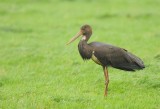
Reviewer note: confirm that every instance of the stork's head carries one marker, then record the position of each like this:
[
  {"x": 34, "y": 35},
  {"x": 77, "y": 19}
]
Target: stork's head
[{"x": 85, "y": 32}]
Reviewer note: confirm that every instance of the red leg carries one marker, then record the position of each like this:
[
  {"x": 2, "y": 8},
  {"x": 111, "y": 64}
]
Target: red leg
[{"x": 106, "y": 80}]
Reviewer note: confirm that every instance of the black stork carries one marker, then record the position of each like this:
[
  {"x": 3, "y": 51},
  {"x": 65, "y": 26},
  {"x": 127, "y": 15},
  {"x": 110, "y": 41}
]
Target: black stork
[{"x": 106, "y": 55}]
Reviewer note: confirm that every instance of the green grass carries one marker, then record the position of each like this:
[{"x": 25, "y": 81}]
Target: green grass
[{"x": 38, "y": 71}]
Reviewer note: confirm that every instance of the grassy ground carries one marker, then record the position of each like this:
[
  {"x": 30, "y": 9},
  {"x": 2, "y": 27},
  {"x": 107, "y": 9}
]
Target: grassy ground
[{"x": 37, "y": 70}]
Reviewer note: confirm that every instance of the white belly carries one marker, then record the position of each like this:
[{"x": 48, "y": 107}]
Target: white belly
[{"x": 96, "y": 60}]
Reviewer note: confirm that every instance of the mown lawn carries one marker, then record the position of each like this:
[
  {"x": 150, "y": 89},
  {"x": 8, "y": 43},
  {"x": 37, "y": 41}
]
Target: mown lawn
[{"x": 38, "y": 71}]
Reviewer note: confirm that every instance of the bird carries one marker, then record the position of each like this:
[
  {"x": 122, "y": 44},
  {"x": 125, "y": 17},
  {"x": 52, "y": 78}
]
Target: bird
[{"x": 106, "y": 55}]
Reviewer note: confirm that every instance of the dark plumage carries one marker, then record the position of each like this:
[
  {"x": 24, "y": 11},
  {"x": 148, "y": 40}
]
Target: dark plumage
[
  {"x": 106, "y": 55},
  {"x": 116, "y": 57}
]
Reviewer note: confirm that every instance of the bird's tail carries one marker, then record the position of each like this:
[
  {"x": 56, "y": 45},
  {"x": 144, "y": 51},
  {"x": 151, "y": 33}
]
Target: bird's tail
[
  {"x": 133, "y": 63},
  {"x": 137, "y": 62}
]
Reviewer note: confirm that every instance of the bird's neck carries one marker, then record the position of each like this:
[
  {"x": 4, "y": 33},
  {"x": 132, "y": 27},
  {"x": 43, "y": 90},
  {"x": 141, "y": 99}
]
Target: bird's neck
[
  {"x": 85, "y": 50},
  {"x": 86, "y": 37}
]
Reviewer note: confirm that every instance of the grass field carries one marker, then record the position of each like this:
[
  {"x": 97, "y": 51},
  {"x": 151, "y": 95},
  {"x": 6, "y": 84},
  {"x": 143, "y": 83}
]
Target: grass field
[{"x": 38, "y": 71}]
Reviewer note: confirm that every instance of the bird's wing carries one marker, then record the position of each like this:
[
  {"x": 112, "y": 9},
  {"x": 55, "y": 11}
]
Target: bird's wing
[{"x": 116, "y": 57}]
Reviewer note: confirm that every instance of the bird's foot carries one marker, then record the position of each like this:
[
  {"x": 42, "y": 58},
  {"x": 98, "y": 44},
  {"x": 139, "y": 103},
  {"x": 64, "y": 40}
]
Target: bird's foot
[{"x": 105, "y": 92}]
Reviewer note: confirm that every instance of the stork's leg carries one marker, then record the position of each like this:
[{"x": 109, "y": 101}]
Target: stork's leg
[{"x": 106, "y": 80}]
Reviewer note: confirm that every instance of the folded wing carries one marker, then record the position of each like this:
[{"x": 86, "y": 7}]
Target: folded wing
[{"x": 116, "y": 57}]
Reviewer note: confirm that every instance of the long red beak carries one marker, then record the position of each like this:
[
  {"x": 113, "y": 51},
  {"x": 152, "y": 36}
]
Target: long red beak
[{"x": 75, "y": 37}]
